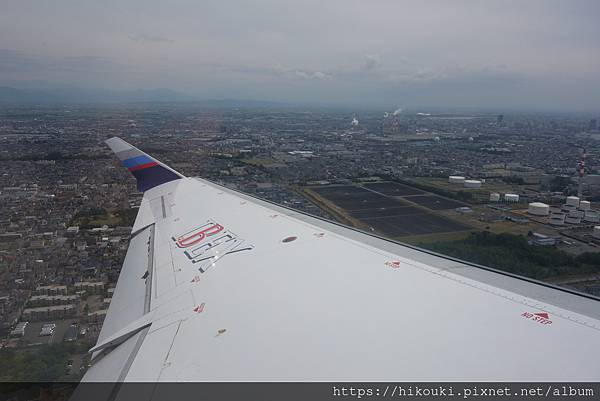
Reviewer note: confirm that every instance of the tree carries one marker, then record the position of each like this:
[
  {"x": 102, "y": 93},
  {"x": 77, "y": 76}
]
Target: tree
[{"x": 560, "y": 183}]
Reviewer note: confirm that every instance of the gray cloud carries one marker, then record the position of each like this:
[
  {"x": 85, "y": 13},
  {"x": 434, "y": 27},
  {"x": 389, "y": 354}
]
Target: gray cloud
[
  {"x": 539, "y": 53},
  {"x": 150, "y": 39},
  {"x": 372, "y": 61},
  {"x": 298, "y": 73}
]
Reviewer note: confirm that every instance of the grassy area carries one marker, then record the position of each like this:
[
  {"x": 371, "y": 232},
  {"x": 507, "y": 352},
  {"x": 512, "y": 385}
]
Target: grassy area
[
  {"x": 513, "y": 254},
  {"x": 46, "y": 363},
  {"x": 100, "y": 217},
  {"x": 258, "y": 162},
  {"x": 422, "y": 240}
]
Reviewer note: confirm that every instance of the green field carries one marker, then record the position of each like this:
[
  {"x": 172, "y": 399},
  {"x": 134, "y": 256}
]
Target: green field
[
  {"x": 513, "y": 254},
  {"x": 99, "y": 217}
]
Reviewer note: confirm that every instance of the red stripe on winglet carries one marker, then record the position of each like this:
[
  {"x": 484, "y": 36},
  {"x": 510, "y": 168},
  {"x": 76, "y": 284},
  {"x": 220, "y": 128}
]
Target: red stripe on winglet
[{"x": 143, "y": 166}]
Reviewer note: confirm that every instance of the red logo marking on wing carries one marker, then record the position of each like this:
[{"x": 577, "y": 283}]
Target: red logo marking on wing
[
  {"x": 540, "y": 317},
  {"x": 199, "y": 308},
  {"x": 194, "y": 238}
]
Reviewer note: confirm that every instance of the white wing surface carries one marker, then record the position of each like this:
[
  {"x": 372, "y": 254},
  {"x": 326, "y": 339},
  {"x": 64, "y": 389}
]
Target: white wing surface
[{"x": 220, "y": 286}]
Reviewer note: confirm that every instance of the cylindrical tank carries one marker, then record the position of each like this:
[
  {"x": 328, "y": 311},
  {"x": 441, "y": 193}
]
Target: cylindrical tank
[
  {"x": 472, "y": 184},
  {"x": 557, "y": 219},
  {"x": 538, "y": 209},
  {"x": 568, "y": 208},
  {"x": 456, "y": 179},
  {"x": 596, "y": 233},
  {"x": 573, "y": 219},
  {"x": 585, "y": 205},
  {"x": 494, "y": 197},
  {"x": 573, "y": 201},
  {"x": 511, "y": 197}
]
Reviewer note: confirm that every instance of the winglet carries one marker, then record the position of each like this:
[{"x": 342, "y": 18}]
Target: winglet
[{"x": 148, "y": 171}]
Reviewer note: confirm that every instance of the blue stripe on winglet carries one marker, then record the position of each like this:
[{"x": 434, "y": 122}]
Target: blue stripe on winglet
[
  {"x": 136, "y": 161},
  {"x": 153, "y": 176}
]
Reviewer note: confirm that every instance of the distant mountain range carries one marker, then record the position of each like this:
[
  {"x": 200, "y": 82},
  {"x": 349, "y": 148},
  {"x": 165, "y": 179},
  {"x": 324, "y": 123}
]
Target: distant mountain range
[
  {"x": 10, "y": 95},
  {"x": 78, "y": 95}
]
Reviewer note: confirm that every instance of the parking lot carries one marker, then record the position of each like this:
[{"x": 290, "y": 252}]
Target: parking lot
[
  {"x": 435, "y": 202},
  {"x": 32, "y": 332},
  {"x": 393, "y": 189},
  {"x": 388, "y": 210}
]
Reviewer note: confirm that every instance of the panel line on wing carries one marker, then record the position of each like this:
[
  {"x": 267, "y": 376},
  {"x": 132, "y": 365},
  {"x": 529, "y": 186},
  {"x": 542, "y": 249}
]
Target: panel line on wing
[
  {"x": 138, "y": 344},
  {"x": 166, "y": 362},
  {"x": 149, "y": 279}
]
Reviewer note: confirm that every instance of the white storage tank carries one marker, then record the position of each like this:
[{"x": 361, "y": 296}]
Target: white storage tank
[
  {"x": 585, "y": 205},
  {"x": 538, "y": 209},
  {"x": 573, "y": 201},
  {"x": 557, "y": 219},
  {"x": 472, "y": 184},
  {"x": 511, "y": 197},
  {"x": 596, "y": 233},
  {"x": 456, "y": 179},
  {"x": 494, "y": 197}
]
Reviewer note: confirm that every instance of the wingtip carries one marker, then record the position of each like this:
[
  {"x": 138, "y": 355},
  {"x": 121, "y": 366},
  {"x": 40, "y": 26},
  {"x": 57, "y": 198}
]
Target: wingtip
[
  {"x": 148, "y": 171},
  {"x": 116, "y": 144}
]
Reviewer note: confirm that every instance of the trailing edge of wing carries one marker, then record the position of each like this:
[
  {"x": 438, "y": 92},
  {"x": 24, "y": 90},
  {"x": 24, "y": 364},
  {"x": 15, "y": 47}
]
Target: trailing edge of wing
[{"x": 148, "y": 171}]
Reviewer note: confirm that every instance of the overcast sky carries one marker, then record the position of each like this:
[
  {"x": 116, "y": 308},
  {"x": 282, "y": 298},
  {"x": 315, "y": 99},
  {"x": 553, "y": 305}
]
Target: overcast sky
[{"x": 530, "y": 54}]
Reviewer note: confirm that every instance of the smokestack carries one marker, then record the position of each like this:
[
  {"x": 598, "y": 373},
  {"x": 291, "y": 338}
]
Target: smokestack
[{"x": 581, "y": 170}]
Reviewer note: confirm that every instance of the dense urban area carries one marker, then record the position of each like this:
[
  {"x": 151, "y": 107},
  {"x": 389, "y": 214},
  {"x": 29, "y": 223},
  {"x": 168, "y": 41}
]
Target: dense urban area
[{"x": 518, "y": 192}]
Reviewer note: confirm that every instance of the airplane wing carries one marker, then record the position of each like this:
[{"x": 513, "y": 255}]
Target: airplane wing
[{"x": 220, "y": 286}]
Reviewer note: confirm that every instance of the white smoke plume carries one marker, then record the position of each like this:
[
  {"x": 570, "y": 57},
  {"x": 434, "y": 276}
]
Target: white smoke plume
[
  {"x": 354, "y": 121},
  {"x": 397, "y": 111}
]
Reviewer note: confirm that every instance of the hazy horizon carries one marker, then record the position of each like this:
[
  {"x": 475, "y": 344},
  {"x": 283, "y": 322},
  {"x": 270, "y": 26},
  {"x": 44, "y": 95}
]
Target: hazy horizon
[{"x": 535, "y": 55}]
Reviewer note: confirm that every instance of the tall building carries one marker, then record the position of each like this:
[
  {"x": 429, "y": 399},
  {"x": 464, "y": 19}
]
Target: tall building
[{"x": 593, "y": 125}]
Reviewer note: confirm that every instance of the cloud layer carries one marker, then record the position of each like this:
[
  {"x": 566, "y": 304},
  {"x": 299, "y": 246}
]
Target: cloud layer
[{"x": 534, "y": 54}]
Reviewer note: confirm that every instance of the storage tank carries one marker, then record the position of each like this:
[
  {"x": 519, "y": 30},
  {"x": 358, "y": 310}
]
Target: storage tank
[
  {"x": 456, "y": 179},
  {"x": 573, "y": 218},
  {"x": 573, "y": 201},
  {"x": 596, "y": 233},
  {"x": 472, "y": 184},
  {"x": 538, "y": 209},
  {"x": 568, "y": 208},
  {"x": 494, "y": 197},
  {"x": 511, "y": 197},
  {"x": 585, "y": 205},
  {"x": 557, "y": 219}
]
